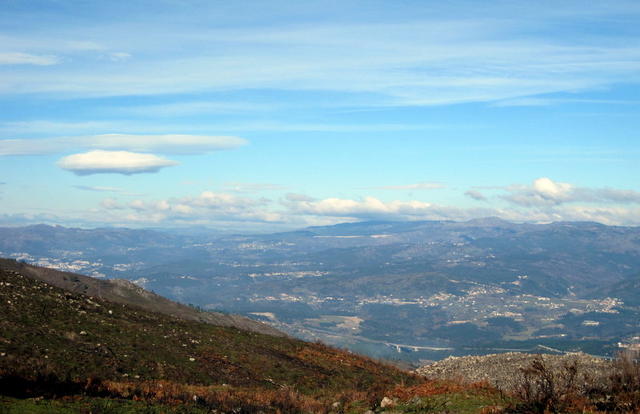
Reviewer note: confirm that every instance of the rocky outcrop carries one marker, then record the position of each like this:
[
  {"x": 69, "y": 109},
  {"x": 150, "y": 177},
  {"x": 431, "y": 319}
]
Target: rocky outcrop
[{"x": 505, "y": 370}]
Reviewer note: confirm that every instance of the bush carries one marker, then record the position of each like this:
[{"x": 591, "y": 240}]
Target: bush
[
  {"x": 541, "y": 389},
  {"x": 544, "y": 390},
  {"x": 621, "y": 394}
]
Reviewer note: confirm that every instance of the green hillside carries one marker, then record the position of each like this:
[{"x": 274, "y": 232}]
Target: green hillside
[
  {"x": 125, "y": 292},
  {"x": 55, "y": 342}
]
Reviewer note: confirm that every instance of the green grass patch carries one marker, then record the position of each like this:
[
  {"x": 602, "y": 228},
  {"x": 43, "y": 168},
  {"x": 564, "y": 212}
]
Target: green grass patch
[{"x": 92, "y": 405}]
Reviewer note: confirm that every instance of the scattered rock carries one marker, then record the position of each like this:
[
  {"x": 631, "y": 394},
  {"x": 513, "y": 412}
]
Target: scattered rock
[
  {"x": 504, "y": 370},
  {"x": 387, "y": 402}
]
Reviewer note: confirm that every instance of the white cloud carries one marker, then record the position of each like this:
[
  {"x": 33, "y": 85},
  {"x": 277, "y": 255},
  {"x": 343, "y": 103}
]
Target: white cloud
[
  {"x": 187, "y": 108},
  {"x": 424, "y": 185},
  {"x": 110, "y": 204},
  {"x": 544, "y": 200},
  {"x": 545, "y": 101},
  {"x": 99, "y": 189},
  {"x": 53, "y": 128},
  {"x": 170, "y": 143},
  {"x": 476, "y": 195},
  {"x": 238, "y": 187},
  {"x": 167, "y": 143},
  {"x": 610, "y": 215},
  {"x": 119, "y": 56},
  {"x": 105, "y": 189},
  {"x": 608, "y": 195},
  {"x": 206, "y": 207},
  {"x": 17, "y": 58},
  {"x": 118, "y": 162},
  {"x": 546, "y": 192},
  {"x": 250, "y": 213},
  {"x": 373, "y": 208},
  {"x": 83, "y": 45},
  {"x": 301, "y": 210},
  {"x": 137, "y": 128},
  {"x": 294, "y": 197}
]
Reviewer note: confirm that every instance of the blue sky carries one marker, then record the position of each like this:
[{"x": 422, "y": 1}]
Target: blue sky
[{"x": 260, "y": 116}]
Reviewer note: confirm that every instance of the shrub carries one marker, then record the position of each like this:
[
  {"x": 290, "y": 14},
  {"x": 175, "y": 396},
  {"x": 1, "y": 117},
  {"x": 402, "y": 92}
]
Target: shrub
[
  {"x": 621, "y": 393},
  {"x": 543, "y": 390}
]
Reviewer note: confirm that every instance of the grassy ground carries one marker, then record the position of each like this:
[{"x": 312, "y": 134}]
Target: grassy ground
[
  {"x": 460, "y": 402},
  {"x": 75, "y": 339},
  {"x": 93, "y": 406},
  {"x": 54, "y": 343}
]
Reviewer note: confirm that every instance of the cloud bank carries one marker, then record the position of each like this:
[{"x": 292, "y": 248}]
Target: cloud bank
[
  {"x": 546, "y": 192},
  {"x": 542, "y": 201},
  {"x": 208, "y": 206}
]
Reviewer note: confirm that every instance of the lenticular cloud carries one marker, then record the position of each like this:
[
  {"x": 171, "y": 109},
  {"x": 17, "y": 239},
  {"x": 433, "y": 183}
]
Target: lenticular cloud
[{"x": 116, "y": 162}]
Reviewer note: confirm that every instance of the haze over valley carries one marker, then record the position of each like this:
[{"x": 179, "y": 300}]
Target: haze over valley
[{"x": 404, "y": 290}]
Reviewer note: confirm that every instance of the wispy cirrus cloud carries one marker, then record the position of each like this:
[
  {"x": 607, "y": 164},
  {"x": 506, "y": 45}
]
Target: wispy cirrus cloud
[
  {"x": 164, "y": 143},
  {"x": 545, "y": 101},
  {"x": 99, "y": 189},
  {"x": 18, "y": 58},
  {"x": 134, "y": 128},
  {"x": 418, "y": 56},
  {"x": 188, "y": 108},
  {"x": 106, "y": 189}
]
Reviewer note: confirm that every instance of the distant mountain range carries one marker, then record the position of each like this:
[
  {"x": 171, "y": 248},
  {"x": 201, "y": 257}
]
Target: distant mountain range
[{"x": 410, "y": 290}]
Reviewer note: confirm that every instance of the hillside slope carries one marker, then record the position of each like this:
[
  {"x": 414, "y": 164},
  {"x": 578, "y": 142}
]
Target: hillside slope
[
  {"x": 56, "y": 342},
  {"x": 125, "y": 292}
]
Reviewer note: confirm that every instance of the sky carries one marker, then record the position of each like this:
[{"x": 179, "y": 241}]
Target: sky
[{"x": 271, "y": 115}]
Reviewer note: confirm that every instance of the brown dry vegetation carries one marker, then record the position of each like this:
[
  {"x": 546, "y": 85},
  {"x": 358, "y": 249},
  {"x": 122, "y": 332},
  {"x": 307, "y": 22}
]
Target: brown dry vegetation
[{"x": 544, "y": 390}]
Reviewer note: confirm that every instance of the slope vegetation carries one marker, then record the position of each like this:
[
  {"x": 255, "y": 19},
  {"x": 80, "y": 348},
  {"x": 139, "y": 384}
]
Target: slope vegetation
[
  {"x": 127, "y": 293},
  {"x": 57, "y": 342}
]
